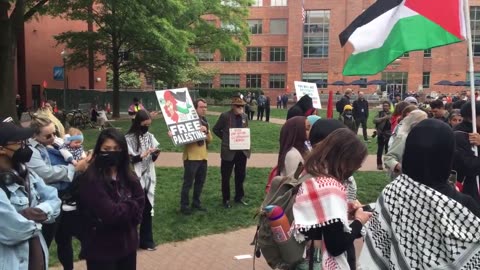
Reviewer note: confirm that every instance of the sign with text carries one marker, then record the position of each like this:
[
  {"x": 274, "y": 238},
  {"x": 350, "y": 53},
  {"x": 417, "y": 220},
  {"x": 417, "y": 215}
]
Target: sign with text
[
  {"x": 180, "y": 116},
  {"x": 239, "y": 139},
  {"x": 310, "y": 89}
]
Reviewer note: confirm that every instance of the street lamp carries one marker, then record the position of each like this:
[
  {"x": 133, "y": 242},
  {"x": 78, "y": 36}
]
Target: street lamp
[{"x": 64, "y": 55}]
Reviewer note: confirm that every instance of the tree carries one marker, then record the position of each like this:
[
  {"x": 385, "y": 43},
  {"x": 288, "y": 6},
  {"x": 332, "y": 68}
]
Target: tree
[
  {"x": 128, "y": 80},
  {"x": 152, "y": 36},
  {"x": 13, "y": 14}
]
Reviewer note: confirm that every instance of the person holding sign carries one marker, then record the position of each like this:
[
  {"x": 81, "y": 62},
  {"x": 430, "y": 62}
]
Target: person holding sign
[
  {"x": 195, "y": 157},
  {"x": 232, "y": 129}
]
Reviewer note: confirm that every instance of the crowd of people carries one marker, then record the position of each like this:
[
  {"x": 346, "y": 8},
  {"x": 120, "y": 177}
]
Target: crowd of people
[{"x": 53, "y": 189}]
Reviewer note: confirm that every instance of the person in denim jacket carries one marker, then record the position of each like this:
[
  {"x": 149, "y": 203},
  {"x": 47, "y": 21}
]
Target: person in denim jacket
[{"x": 25, "y": 204}]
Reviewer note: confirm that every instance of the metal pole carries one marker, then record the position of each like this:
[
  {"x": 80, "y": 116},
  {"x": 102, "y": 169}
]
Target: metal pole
[
  {"x": 64, "y": 84},
  {"x": 471, "y": 70}
]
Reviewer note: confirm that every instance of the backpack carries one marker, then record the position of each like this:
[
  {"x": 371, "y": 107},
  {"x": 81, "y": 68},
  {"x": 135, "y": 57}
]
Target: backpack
[
  {"x": 288, "y": 254},
  {"x": 261, "y": 101},
  {"x": 340, "y": 105}
]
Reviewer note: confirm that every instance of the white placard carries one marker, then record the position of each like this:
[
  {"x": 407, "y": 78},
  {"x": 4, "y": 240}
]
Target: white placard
[
  {"x": 310, "y": 89},
  {"x": 239, "y": 139},
  {"x": 243, "y": 257},
  {"x": 180, "y": 116}
]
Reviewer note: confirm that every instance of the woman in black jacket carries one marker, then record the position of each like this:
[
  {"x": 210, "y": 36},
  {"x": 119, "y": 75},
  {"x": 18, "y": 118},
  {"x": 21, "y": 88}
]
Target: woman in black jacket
[
  {"x": 111, "y": 202},
  {"x": 466, "y": 164}
]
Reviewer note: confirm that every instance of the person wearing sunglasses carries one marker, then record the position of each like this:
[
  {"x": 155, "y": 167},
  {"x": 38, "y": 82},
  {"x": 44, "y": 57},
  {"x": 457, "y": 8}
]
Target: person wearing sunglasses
[
  {"x": 234, "y": 118},
  {"x": 26, "y": 203},
  {"x": 58, "y": 176}
]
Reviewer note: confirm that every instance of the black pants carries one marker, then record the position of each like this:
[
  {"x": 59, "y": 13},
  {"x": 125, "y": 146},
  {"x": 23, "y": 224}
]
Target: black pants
[
  {"x": 63, "y": 230},
  {"x": 382, "y": 142},
  {"x": 261, "y": 109},
  {"x": 267, "y": 113},
  {"x": 279, "y": 105},
  {"x": 195, "y": 173},
  {"x": 146, "y": 235},
  {"x": 49, "y": 230},
  {"x": 128, "y": 262},
  {"x": 252, "y": 113},
  {"x": 364, "y": 127},
  {"x": 240, "y": 164}
]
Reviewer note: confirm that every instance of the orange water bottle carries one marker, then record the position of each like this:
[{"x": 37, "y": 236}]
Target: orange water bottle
[{"x": 278, "y": 223}]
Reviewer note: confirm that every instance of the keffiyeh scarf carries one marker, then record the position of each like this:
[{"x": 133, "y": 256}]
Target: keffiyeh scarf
[
  {"x": 321, "y": 201},
  {"x": 416, "y": 227}
]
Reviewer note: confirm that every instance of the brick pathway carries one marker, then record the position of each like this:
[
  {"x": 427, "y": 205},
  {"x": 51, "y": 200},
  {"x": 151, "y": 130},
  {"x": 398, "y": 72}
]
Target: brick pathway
[{"x": 213, "y": 252}]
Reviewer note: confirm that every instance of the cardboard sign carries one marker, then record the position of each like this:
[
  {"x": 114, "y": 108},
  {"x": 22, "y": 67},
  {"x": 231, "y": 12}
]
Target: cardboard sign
[
  {"x": 310, "y": 89},
  {"x": 239, "y": 139},
  {"x": 180, "y": 116}
]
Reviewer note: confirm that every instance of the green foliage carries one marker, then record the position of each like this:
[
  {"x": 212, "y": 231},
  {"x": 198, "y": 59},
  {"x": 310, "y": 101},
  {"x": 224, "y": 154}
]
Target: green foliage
[{"x": 129, "y": 80}]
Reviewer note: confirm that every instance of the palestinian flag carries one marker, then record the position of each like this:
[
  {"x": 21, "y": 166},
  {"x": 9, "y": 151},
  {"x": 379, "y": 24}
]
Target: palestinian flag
[{"x": 389, "y": 28}]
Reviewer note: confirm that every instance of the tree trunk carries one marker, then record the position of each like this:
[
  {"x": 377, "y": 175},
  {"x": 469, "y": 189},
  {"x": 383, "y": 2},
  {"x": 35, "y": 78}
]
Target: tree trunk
[
  {"x": 116, "y": 90},
  {"x": 91, "y": 56},
  {"x": 7, "y": 64}
]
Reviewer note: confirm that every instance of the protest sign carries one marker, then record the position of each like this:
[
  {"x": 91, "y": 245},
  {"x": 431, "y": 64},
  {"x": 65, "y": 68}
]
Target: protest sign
[
  {"x": 310, "y": 89},
  {"x": 239, "y": 139},
  {"x": 180, "y": 116}
]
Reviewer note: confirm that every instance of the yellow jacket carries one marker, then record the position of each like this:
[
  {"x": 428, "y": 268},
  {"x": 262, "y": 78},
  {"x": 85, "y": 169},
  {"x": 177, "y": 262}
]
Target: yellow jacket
[{"x": 193, "y": 151}]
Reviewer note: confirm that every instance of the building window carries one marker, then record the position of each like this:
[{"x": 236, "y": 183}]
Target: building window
[
  {"x": 319, "y": 78},
  {"x": 278, "y": 27},
  {"x": 475, "y": 23},
  {"x": 230, "y": 58},
  {"x": 316, "y": 33},
  {"x": 405, "y": 55},
  {"x": 254, "y": 81},
  {"x": 277, "y": 54},
  {"x": 229, "y": 27},
  {"x": 255, "y": 26},
  {"x": 254, "y": 54},
  {"x": 277, "y": 81},
  {"x": 205, "y": 84},
  {"x": 203, "y": 55},
  {"x": 276, "y": 3},
  {"x": 396, "y": 83},
  {"x": 426, "y": 80},
  {"x": 427, "y": 53},
  {"x": 229, "y": 80},
  {"x": 257, "y": 3}
]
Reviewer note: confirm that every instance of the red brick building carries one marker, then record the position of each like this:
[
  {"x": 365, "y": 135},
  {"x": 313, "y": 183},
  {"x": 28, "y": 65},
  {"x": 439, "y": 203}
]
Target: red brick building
[
  {"x": 43, "y": 54},
  {"x": 274, "y": 60}
]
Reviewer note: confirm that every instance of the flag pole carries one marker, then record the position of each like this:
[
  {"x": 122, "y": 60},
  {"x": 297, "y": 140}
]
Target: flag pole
[
  {"x": 471, "y": 70},
  {"x": 304, "y": 19}
]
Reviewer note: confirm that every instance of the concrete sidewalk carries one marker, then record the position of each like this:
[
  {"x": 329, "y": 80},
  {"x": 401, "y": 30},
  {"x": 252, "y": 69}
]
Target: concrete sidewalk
[{"x": 257, "y": 160}]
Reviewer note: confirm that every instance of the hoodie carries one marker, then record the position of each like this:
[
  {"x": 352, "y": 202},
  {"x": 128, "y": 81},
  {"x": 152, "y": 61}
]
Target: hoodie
[{"x": 303, "y": 107}]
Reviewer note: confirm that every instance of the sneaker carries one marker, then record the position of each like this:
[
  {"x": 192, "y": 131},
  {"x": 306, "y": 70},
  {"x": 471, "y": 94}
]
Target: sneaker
[
  {"x": 227, "y": 204},
  {"x": 148, "y": 248},
  {"x": 199, "y": 208},
  {"x": 380, "y": 167},
  {"x": 186, "y": 211},
  {"x": 374, "y": 134},
  {"x": 241, "y": 201}
]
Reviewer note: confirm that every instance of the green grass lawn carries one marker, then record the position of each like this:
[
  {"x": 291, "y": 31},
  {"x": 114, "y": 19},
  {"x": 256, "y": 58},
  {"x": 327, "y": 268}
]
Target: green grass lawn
[
  {"x": 264, "y": 135},
  {"x": 171, "y": 226}
]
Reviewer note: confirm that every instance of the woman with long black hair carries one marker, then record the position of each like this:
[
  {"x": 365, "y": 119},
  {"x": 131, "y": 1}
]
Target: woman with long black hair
[
  {"x": 143, "y": 151},
  {"x": 111, "y": 202}
]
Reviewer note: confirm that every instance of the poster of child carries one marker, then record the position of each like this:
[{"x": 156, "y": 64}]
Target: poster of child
[{"x": 180, "y": 115}]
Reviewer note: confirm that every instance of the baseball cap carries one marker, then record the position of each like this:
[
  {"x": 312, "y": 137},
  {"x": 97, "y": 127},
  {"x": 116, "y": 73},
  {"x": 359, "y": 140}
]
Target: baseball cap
[{"x": 9, "y": 132}]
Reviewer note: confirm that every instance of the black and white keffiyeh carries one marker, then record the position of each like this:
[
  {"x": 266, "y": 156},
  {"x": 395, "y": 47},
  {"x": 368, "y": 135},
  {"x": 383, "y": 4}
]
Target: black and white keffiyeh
[{"x": 417, "y": 227}]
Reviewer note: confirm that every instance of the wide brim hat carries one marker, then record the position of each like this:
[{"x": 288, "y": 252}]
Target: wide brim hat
[{"x": 237, "y": 101}]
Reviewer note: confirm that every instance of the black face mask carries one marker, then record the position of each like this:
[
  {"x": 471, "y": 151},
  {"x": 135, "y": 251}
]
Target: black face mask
[
  {"x": 144, "y": 129},
  {"x": 107, "y": 159},
  {"x": 22, "y": 155}
]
